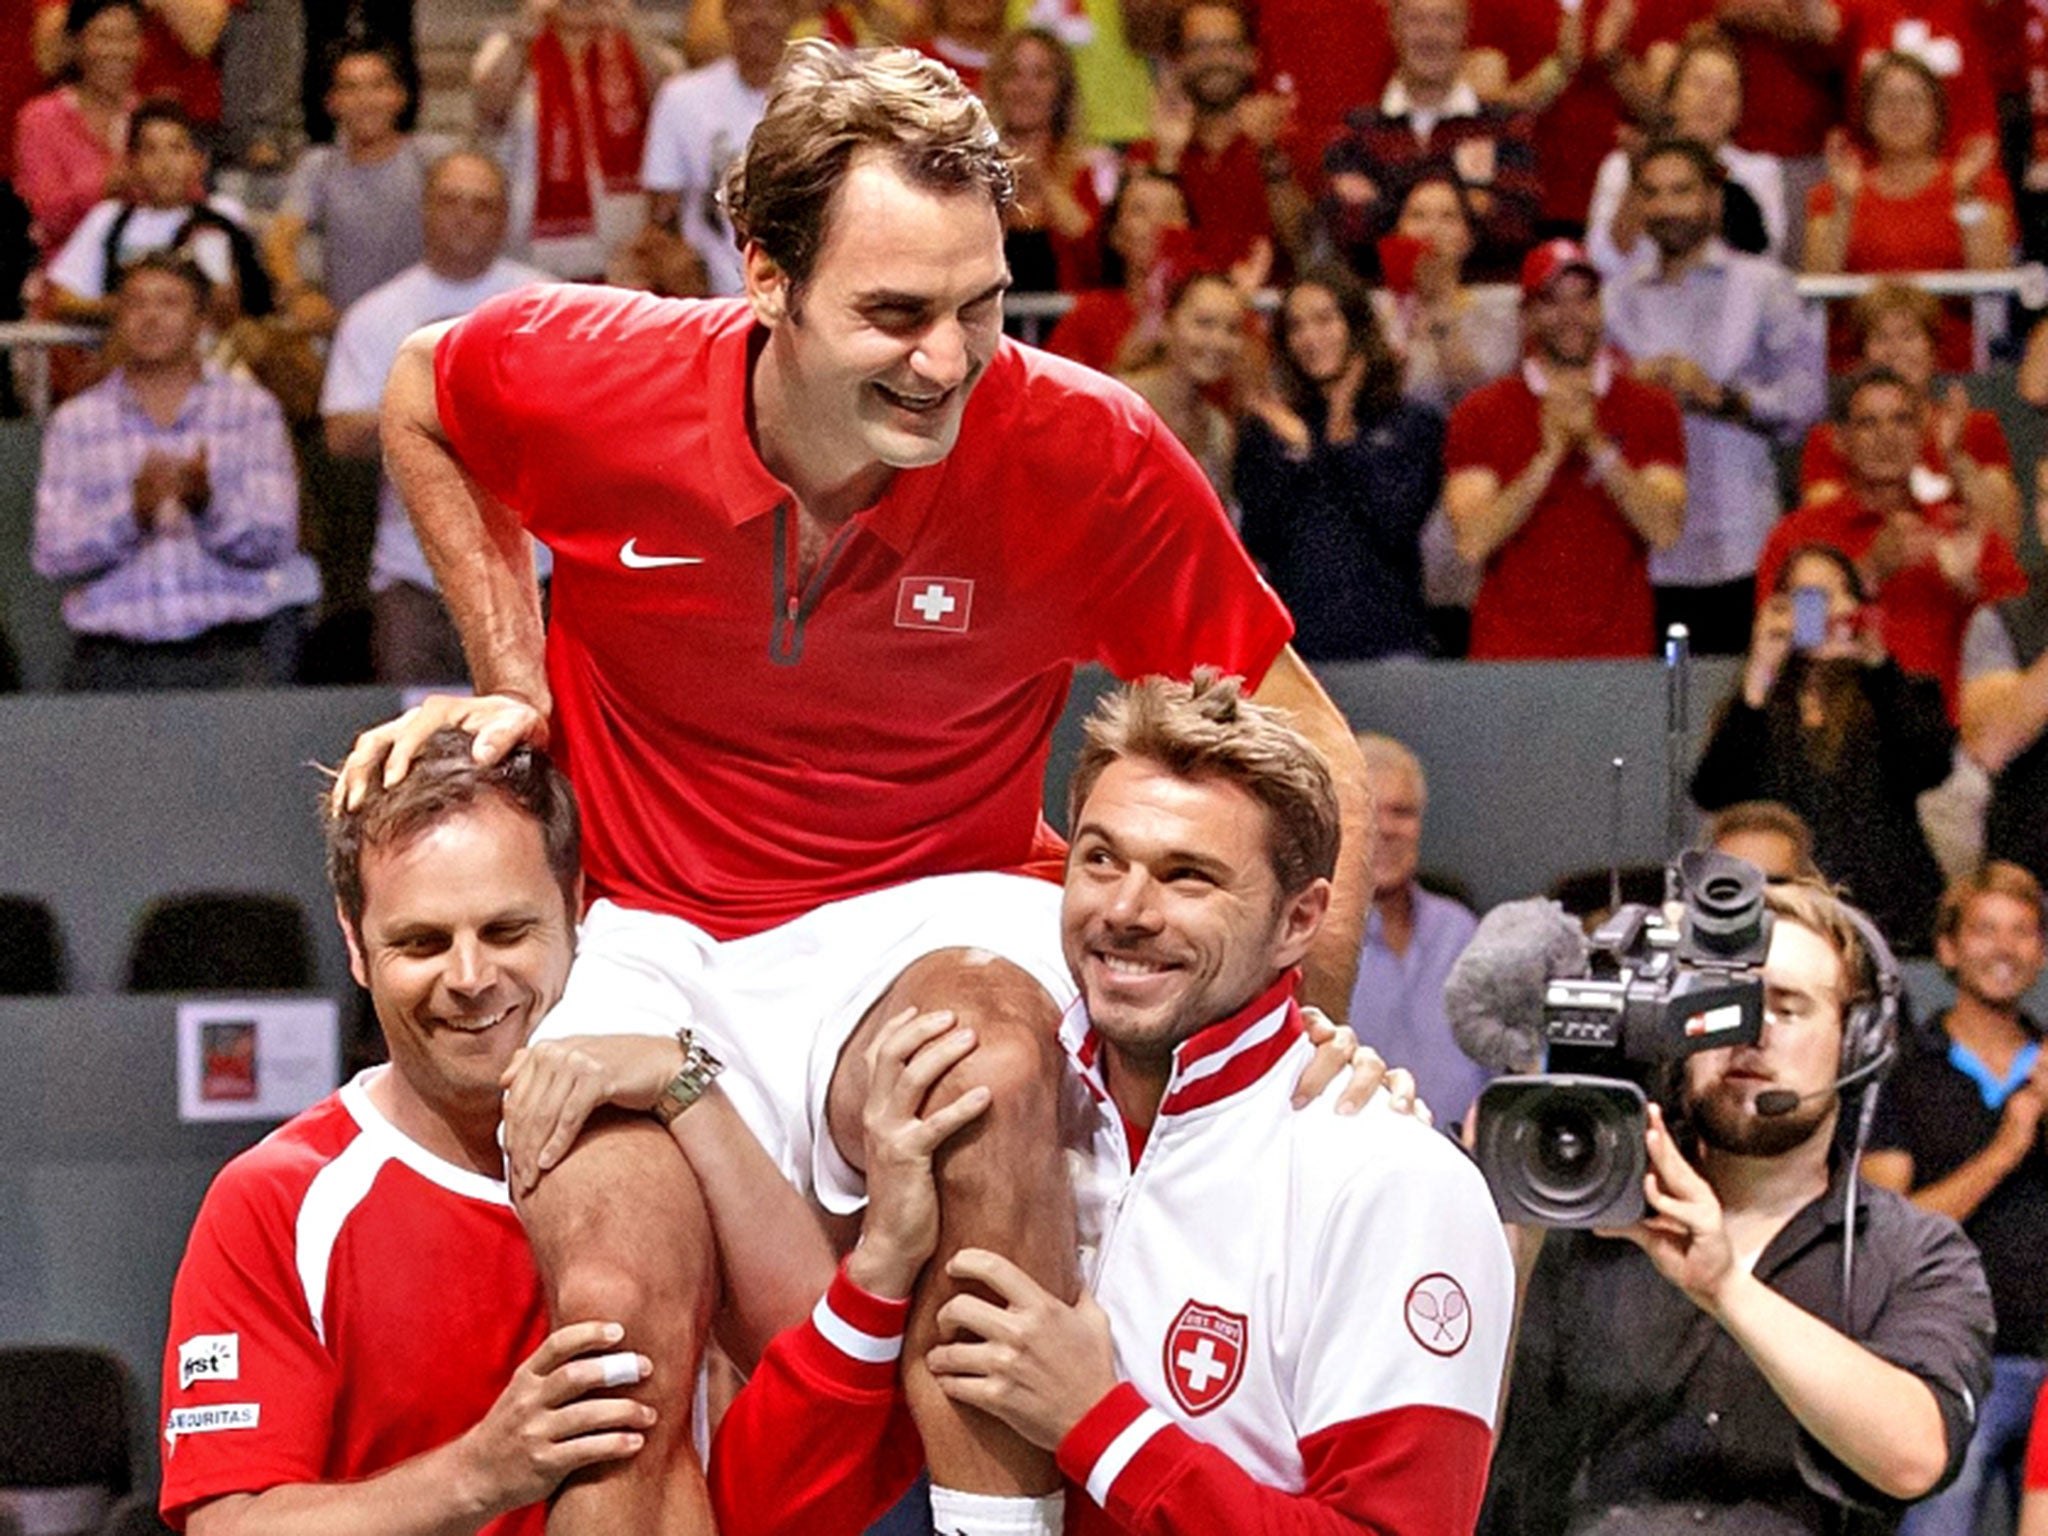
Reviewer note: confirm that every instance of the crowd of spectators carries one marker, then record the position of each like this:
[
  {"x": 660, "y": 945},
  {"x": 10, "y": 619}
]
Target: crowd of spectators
[{"x": 1482, "y": 320}]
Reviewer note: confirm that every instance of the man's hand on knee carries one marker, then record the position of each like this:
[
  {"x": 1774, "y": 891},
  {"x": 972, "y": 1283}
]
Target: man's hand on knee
[
  {"x": 547, "y": 1424},
  {"x": 553, "y": 1087},
  {"x": 900, "y": 1231}
]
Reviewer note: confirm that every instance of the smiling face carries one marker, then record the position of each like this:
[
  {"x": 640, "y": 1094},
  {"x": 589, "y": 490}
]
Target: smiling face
[
  {"x": 1706, "y": 98},
  {"x": 1429, "y": 37},
  {"x": 1996, "y": 951},
  {"x": 1215, "y": 61},
  {"x": 166, "y": 164},
  {"x": 464, "y": 945},
  {"x": 1205, "y": 331},
  {"x": 871, "y": 361},
  {"x": 1029, "y": 89},
  {"x": 365, "y": 98},
  {"x": 1563, "y": 320},
  {"x": 1900, "y": 116},
  {"x": 1172, "y": 918},
  {"x": 1800, "y": 1051},
  {"x": 1898, "y": 341},
  {"x": 1434, "y": 215},
  {"x": 1318, "y": 336},
  {"x": 1881, "y": 433},
  {"x": 1681, "y": 209},
  {"x": 109, "y": 50}
]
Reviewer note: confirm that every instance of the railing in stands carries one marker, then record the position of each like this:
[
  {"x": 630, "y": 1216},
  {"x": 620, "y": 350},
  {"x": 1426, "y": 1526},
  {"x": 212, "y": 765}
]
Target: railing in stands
[{"x": 1036, "y": 313}]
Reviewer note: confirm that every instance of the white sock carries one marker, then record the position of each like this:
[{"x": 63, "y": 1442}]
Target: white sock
[{"x": 986, "y": 1514}]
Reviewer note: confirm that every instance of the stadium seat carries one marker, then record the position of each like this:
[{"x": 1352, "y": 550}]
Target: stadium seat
[
  {"x": 31, "y": 950},
  {"x": 206, "y": 941},
  {"x": 65, "y": 1417}
]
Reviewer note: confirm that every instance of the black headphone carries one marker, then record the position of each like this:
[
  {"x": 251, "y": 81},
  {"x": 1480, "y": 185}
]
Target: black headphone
[{"x": 1870, "y": 1032}]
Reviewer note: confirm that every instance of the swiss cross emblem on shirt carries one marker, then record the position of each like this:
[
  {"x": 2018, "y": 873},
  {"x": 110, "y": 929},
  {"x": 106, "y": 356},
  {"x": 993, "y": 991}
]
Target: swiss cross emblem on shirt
[
  {"x": 1204, "y": 1356},
  {"x": 934, "y": 602}
]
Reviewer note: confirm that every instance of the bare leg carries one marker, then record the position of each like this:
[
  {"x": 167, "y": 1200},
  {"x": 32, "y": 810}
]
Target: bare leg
[
  {"x": 621, "y": 1233},
  {"x": 1002, "y": 1186}
]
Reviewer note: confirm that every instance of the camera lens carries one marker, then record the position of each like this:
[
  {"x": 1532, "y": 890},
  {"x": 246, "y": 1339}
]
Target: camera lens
[{"x": 1563, "y": 1151}]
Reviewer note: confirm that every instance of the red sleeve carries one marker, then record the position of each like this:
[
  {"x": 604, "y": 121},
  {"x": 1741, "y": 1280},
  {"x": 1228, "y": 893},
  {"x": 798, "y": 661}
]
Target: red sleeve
[
  {"x": 1653, "y": 431},
  {"x": 1176, "y": 590},
  {"x": 1984, "y": 440},
  {"x": 1772, "y": 560},
  {"x": 248, "y": 1388},
  {"x": 1999, "y": 572},
  {"x": 2036, "y": 1475},
  {"x": 822, "y": 1423},
  {"x": 1418, "y": 1471},
  {"x": 480, "y": 394},
  {"x": 1472, "y": 439},
  {"x": 1822, "y": 458}
]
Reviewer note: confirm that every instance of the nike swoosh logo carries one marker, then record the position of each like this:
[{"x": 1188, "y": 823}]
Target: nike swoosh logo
[{"x": 633, "y": 560}]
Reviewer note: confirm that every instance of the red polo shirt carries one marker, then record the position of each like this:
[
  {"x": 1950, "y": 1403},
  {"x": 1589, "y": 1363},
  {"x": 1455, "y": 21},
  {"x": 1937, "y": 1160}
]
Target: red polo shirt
[
  {"x": 746, "y": 747},
  {"x": 1923, "y": 616},
  {"x": 1574, "y": 579}
]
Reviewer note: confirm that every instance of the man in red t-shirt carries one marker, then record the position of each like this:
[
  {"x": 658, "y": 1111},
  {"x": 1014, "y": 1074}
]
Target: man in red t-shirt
[
  {"x": 824, "y": 561},
  {"x": 1929, "y": 563},
  {"x": 358, "y": 1339},
  {"x": 1561, "y": 480},
  {"x": 1230, "y": 149}
]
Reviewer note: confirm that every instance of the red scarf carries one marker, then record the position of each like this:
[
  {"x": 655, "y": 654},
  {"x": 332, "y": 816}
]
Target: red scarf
[{"x": 617, "y": 93}]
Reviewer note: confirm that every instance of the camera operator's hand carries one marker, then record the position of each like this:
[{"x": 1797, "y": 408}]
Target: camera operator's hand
[
  {"x": 1686, "y": 1239},
  {"x": 1770, "y": 642}
]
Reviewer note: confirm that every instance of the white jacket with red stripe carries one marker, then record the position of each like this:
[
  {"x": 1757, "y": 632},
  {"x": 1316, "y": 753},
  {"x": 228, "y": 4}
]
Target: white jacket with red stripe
[{"x": 1311, "y": 1312}]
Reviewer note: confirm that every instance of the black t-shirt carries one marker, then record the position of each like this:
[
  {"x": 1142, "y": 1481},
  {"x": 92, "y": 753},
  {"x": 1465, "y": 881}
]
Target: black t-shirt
[
  {"x": 1933, "y": 1110},
  {"x": 1633, "y": 1411}
]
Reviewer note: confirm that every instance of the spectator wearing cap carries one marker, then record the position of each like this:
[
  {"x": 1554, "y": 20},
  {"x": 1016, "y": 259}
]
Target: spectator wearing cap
[
  {"x": 1430, "y": 123},
  {"x": 168, "y": 505},
  {"x": 1562, "y": 478},
  {"x": 1726, "y": 334}
]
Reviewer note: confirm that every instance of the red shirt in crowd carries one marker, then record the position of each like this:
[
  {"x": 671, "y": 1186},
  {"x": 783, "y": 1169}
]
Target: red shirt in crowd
[
  {"x": 1093, "y": 331},
  {"x": 1228, "y": 210},
  {"x": 1791, "y": 91},
  {"x": 1296, "y": 50},
  {"x": 1923, "y": 615},
  {"x": 1575, "y": 132},
  {"x": 1911, "y": 234},
  {"x": 1574, "y": 579},
  {"x": 1983, "y": 440}
]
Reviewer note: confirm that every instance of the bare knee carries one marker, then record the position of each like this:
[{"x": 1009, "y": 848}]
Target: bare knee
[
  {"x": 1016, "y": 1054},
  {"x": 621, "y": 1234}
]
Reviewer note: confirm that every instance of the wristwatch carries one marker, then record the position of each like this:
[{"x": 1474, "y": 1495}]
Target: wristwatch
[{"x": 692, "y": 1078}]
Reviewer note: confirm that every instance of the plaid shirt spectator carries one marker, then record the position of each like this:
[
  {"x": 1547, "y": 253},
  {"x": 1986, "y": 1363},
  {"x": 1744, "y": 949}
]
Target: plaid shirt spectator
[
  {"x": 1490, "y": 150},
  {"x": 236, "y": 561}
]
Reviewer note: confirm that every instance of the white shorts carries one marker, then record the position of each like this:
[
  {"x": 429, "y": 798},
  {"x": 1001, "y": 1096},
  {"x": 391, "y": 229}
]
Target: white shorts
[{"x": 777, "y": 1006}]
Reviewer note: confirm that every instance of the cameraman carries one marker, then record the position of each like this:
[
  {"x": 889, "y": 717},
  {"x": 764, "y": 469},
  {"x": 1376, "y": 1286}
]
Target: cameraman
[{"x": 1699, "y": 1376}]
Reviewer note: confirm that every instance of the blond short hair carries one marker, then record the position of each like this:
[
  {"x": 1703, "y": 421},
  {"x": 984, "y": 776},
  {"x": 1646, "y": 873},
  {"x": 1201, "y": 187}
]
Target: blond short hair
[{"x": 1208, "y": 729}]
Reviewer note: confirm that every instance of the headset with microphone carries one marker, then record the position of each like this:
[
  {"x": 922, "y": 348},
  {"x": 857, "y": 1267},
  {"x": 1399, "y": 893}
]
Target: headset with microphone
[{"x": 1870, "y": 1029}]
